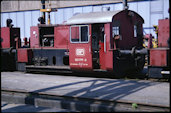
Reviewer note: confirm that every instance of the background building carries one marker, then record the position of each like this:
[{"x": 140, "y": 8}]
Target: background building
[{"x": 26, "y": 13}]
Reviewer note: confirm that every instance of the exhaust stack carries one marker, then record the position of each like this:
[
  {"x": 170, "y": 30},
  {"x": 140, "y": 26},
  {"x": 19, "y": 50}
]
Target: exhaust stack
[
  {"x": 125, "y": 5},
  {"x": 43, "y": 13}
]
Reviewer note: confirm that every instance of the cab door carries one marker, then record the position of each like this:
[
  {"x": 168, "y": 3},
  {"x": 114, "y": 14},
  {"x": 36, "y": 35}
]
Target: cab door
[
  {"x": 80, "y": 51},
  {"x": 106, "y": 55}
]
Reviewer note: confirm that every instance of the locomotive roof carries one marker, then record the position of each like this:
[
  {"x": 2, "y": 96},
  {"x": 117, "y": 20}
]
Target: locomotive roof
[{"x": 93, "y": 17}]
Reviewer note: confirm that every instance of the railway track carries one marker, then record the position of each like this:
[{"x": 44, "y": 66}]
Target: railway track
[
  {"x": 140, "y": 76},
  {"x": 81, "y": 104}
]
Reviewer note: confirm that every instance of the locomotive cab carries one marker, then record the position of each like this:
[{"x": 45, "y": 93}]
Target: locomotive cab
[{"x": 98, "y": 40}]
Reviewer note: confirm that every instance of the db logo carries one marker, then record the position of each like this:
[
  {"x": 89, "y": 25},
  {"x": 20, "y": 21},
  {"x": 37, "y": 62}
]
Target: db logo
[{"x": 80, "y": 52}]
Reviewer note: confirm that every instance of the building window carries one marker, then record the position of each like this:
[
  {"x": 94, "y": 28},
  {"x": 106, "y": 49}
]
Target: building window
[{"x": 79, "y": 34}]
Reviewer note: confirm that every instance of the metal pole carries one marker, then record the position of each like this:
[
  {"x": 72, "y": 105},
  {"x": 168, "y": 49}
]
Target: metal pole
[
  {"x": 43, "y": 7},
  {"x": 48, "y": 17}
]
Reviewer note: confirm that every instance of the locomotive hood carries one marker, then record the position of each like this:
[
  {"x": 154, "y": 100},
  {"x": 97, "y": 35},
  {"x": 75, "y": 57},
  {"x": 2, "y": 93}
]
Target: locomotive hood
[{"x": 94, "y": 17}]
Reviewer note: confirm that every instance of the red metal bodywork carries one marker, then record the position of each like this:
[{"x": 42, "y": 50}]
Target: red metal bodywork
[
  {"x": 80, "y": 56},
  {"x": 24, "y": 55},
  {"x": 109, "y": 54},
  {"x": 102, "y": 56},
  {"x": 163, "y": 33},
  {"x": 5, "y": 35},
  {"x": 106, "y": 56},
  {"x": 34, "y": 37},
  {"x": 61, "y": 37},
  {"x": 159, "y": 57},
  {"x": 8, "y": 36}
]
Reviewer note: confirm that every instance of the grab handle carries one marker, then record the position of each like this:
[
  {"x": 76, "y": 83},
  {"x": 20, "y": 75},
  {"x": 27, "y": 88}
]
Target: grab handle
[{"x": 104, "y": 42}]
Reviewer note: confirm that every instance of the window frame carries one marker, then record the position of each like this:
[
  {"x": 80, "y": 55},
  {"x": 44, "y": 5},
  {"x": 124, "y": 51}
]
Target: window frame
[
  {"x": 136, "y": 28},
  {"x": 79, "y": 34},
  {"x": 118, "y": 30},
  {"x": 139, "y": 29}
]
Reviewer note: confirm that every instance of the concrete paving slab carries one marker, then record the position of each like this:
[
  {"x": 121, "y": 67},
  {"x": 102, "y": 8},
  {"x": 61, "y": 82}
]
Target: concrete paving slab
[{"x": 138, "y": 91}]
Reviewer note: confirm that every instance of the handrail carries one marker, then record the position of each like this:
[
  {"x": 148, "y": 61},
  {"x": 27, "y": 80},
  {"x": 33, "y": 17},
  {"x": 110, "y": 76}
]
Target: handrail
[{"x": 104, "y": 42}]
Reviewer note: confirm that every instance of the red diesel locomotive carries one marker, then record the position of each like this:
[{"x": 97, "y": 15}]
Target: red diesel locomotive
[
  {"x": 105, "y": 41},
  {"x": 110, "y": 41}
]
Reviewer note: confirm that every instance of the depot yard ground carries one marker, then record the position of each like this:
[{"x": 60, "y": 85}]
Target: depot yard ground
[{"x": 86, "y": 90}]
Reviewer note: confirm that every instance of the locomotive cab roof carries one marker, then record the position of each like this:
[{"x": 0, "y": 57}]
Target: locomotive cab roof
[{"x": 97, "y": 17}]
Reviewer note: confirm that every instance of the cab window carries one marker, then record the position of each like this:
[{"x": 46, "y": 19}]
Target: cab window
[
  {"x": 138, "y": 32},
  {"x": 116, "y": 30},
  {"x": 75, "y": 34},
  {"x": 135, "y": 30},
  {"x": 79, "y": 34},
  {"x": 116, "y": 33}
]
